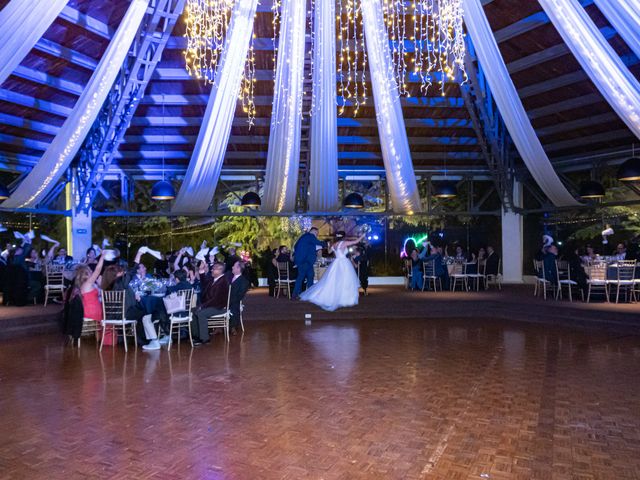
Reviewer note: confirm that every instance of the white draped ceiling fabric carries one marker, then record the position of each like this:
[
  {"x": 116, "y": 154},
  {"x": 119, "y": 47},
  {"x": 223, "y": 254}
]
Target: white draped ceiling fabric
[
  {"x": 513, "y": 113},
  {"x": 67, "y": 142},
  {"x": 23, "y": 24},
  {"x": 323, "y": 184},
  {"x": 598, "y": 59},
  {"x": 199, "y": 185},
  {"x": 624, "y": 15},
  {"x": 283, "y": 158},
  {"x": 401, "y": 179}
]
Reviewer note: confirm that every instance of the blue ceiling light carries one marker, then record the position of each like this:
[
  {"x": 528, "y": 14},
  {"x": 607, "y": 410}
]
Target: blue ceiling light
[
  {"x": 163, "y": 190},
  {"x": 353, "y": 200},
  {"x": 251, "y": 200}
]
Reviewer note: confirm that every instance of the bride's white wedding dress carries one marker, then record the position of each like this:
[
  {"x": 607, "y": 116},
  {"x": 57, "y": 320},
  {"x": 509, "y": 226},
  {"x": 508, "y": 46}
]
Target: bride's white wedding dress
[{"x": 338, "y": 287}]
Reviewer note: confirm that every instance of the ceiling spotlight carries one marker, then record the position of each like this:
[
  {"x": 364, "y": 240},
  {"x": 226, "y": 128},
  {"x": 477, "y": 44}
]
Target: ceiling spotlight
[
  {"x": 353, "y": 200},
  {"x": 629, "y": 171},
  {"x": 251, "y": 200},
  {"x": 445, "y": 190},
  {"x": 591, "y": 189}
]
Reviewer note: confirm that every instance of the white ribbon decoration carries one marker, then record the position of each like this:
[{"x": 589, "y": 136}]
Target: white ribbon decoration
[
  {"x": 23, "y": 24},
  {"x": 283, "y": 157},
  {"x": 513, "y": 113},
  {"x": 67, "y": 142},
  {"x": 598, "y": 59},
  {"x": 401, "y": 179},
  {"x": 624, "y": 15},
  {"x": 323, "y": 181},
  {"x": 199, "y": 185}
]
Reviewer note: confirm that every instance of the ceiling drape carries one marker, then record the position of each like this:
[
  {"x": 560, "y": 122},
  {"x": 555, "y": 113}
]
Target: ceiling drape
[
  {"x": 67, "y": 142},
  {"x": 624, "y": 15},
  {"x": 199, "y": 185}
]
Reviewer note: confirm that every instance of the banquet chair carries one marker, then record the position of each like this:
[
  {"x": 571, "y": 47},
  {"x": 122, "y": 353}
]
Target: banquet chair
[
  {"x": 480, "y": 275},
  {"x": 625, "y": 271},
  {"x": 407, "y": 273},
  {"x": 241, "y": 312},
  {"x": 90, "y": 327},
  {"x": 597, "y": 273},
  {"x": 284, "y": 280},
  {"x": 429, "y": 275},
  {"x": 458, "y": 273},
  {"x": 182, "y": 319},
  {"x": 563, "y": 277},
  {"x": 493, "y": 277},
  {"x": 113, "y": 313},
  {"x": 222, "y": 319},
  {"x": 54, "y": 281},
  {"x": 542, "y": 283}
]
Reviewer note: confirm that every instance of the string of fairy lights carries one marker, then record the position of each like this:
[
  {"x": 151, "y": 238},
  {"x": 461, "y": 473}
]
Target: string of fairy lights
[{"x": 426, "y": 37}]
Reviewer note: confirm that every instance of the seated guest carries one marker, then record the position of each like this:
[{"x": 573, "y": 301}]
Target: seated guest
[
  {"x": 181, "y": 282},
  {"x": 576, "y": 270},
  {"x": 482, "y": 255},
  {"x": 440, "y": 268},
  {"x": 18, "y": 275},
  {"x": 493, "y": 261},
  {"x": 590, "y": 256},
  {"x": 460, "y": 255},
  {"x": 214, "y": 294},
  {"x": 35, "y": 277},
  {"x": 85, "y": 282},
  {"x": 271, "y": 268},
  {"x": 239, "y": 287},
  {"x": 284, "y": 256},
  {"x": 621, "y": 252},
  {"x": 61, "y": 258},
  {"x": 549, "y": 264}
]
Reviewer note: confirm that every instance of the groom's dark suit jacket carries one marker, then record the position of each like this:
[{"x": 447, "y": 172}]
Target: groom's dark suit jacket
[{"x": 304, "y": 251}]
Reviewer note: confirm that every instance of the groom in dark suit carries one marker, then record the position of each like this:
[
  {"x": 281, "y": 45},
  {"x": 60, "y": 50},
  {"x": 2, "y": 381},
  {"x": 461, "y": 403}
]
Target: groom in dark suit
[{"x": 304, "y": 256}]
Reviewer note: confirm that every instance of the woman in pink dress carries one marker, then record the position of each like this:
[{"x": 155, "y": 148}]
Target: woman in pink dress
[{"x": 85, "y": 282}]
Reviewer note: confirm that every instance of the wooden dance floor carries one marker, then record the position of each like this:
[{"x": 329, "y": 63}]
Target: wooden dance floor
[{"x": 362, "y": 394}]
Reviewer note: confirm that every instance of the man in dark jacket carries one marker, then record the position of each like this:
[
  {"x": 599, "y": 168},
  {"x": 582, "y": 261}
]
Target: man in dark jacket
[
  {"x": 215, "y": 292},
  {"x": 304, "y": 256},
  {"x": 239, "y": 287}
]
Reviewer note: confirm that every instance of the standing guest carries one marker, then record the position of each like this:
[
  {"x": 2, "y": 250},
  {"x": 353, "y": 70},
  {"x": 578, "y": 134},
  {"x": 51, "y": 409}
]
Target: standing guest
[
  {"x": 493, "y": 261},
  {"x": 230, "y": 259},
  {"x": 440, "y": 268},
  {"x": 416, "y": 269},
  {"x": 549, "y": 264},
  {"x": 361, "y": 263},
  {"x": 239, "y": 287},
  {"x": 304, "y": 256},
  {"x": 215, "y": 291},
  {"x": 161, "y": 266},
  {"x": 36, "y": 279},
  {"x": 18, "y": 275},
  {"x": 90, "y": 259}
]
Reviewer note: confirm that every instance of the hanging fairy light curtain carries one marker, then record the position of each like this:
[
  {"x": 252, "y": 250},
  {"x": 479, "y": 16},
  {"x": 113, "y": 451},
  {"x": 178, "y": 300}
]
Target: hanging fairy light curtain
[
  {"x": 510, "y": 106},
  {"x": 323, "y": 182},
  {"x": 624, "y": 15},
  {"x": 69, "y": 138},
  {"x": 283, "y": 157},
  {"x": 207, "y": 28},
  {"x": 427, "y": 46},
  {"x": 23, "y": 24},
  {"x": 401, "y": 180},
  {"x": 598, "y": 59},
  {"x": 199, "y": 185}
]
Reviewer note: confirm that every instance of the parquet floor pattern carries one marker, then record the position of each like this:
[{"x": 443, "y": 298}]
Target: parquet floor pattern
[{"x": 351, "y": 399}]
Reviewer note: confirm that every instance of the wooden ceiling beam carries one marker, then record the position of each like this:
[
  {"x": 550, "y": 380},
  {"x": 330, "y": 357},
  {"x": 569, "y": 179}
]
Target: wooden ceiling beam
[{"x": 87, "y": 22}]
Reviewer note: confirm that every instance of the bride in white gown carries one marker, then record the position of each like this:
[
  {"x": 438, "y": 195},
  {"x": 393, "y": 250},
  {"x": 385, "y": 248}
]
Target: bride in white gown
[{"x": 339, "y": 285}]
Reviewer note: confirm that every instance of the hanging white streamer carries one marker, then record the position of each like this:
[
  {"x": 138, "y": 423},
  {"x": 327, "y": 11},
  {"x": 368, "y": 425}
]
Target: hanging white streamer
[
  {"x": 401, "y": 179},
  {"x": 323, "y": 185},
  {"x": 624, "y": 15},
  {"x": 283, "y": 158},
  {"x": 67, "y": 142},
  {"x": 199, "y": 185},
  {"x": 598, "y": 59},
  {"x": 23, "y": 24},
  {"x": 513, "y": 113}
]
